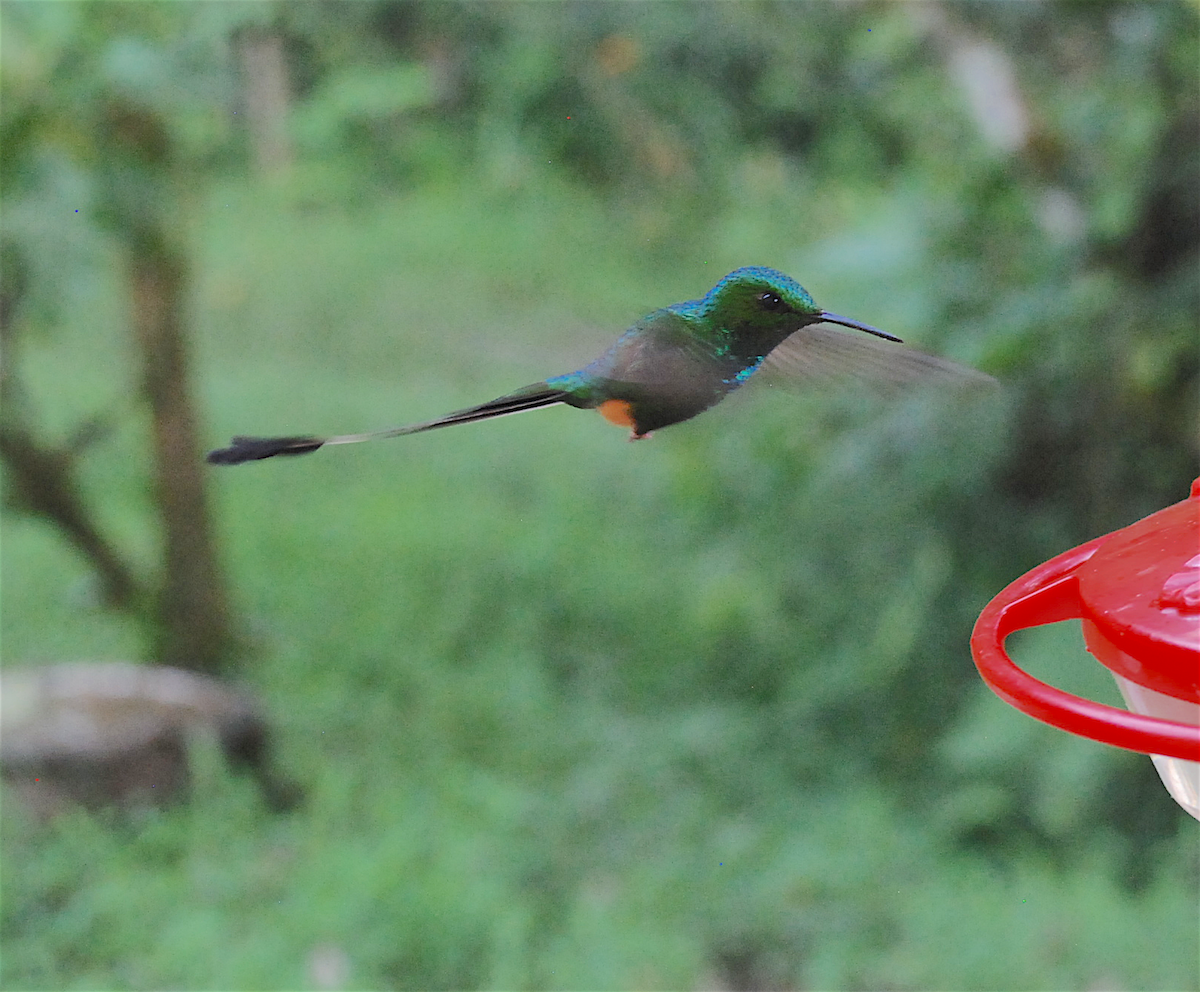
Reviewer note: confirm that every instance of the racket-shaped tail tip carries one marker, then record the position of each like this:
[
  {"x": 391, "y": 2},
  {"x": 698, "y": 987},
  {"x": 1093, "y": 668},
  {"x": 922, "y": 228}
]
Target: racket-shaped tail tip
[{"x": 248, "y": 449}]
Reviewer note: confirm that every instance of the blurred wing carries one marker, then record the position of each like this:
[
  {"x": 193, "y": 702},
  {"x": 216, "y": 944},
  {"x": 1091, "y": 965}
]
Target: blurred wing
[
  {"x": 660, "y": 351},
  {"x": 815, "y": 355}
]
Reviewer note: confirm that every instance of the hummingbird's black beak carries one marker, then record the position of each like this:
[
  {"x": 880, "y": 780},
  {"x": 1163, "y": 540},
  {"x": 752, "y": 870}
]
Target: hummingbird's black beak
[{"x": 833, "y": 318}]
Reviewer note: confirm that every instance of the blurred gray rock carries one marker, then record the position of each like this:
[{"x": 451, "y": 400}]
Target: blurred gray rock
[{"x": 117, "y": 734}]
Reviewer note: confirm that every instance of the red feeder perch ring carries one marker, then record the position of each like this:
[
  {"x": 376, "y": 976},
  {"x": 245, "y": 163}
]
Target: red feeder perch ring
[{"x": 1137, "y": 592}]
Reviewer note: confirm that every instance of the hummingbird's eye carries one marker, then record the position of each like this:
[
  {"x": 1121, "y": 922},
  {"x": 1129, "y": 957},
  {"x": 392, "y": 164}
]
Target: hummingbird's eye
[{"x": 770, "y": 301}]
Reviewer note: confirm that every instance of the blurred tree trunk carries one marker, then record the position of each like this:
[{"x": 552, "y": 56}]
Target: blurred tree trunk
[
  {"x": 267, "y": 94},
  {"x": 142, "y": 187},
  {"x": 141, "y": 179},
  {"x": 189, "y": 615},
  {"x": 192, "y": 629}
]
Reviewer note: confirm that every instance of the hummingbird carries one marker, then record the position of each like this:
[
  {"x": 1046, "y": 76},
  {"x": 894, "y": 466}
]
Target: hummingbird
[{"x": 679, "y": 361}]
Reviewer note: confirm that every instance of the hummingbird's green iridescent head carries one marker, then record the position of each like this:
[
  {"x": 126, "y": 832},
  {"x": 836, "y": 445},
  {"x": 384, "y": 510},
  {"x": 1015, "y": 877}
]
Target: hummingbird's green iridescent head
[{"x": 756, "y": 299}]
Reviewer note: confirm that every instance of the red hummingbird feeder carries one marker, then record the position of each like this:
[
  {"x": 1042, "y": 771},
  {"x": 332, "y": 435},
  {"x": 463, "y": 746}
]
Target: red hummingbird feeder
[{"x": 1137, "y": 592}]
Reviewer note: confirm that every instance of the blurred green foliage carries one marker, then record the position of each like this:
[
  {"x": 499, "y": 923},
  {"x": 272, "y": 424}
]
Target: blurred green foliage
[{"x": 573, "y": 713}]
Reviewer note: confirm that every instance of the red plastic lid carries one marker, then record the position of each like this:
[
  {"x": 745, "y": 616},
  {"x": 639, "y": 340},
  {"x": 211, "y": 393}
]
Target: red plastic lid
[
  {"x": 1142, "y": 591},
  {"x": 1140, "y": 587}
]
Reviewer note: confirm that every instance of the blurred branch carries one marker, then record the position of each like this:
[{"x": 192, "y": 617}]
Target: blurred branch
[
  {"x": 42, "y": 482},
  {"x": 41, "y": 479}
]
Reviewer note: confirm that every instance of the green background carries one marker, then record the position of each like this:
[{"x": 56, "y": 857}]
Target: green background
[{"x": 568, "y": 712}]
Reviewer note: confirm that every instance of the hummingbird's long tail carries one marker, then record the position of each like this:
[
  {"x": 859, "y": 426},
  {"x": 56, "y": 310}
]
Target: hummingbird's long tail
[{"x": 246, "y": 449}]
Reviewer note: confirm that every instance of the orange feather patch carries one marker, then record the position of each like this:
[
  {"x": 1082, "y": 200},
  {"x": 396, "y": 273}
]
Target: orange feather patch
[{"x": 619, "y": 412}]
